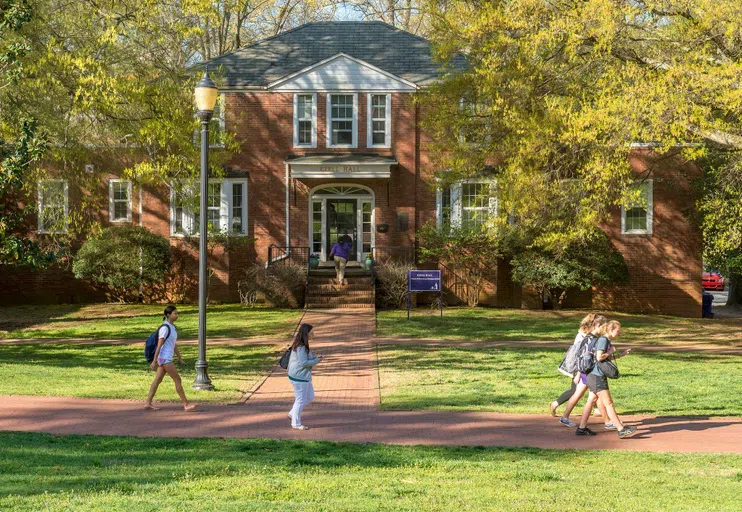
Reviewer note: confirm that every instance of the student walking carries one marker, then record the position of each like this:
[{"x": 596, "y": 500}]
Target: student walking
[
  {"x": 598, "y": 383},
  {"x": 580, "y": 379},
  {"x": 340, "y": 253},
  {"x": 167, "y": 336},
  {"x": 568, "y": 367},
  {"x": 301, "y": 362}
]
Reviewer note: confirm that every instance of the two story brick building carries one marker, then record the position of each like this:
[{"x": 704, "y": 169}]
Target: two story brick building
[{"x": 330, "y": 144}]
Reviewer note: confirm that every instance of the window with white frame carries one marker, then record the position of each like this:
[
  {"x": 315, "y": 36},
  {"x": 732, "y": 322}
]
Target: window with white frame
[
  {"x": 636, "y": 217},
  {"x": 468, "y": 205},
  {"x": 53, "y": 198},
  {"x": 226, "y": 206},
  {"x": 119, "y": 200},
  {"x": 342, "y": 120},
  {"x": 379, "y": 121},
  {"x": 305, "y": 120}
]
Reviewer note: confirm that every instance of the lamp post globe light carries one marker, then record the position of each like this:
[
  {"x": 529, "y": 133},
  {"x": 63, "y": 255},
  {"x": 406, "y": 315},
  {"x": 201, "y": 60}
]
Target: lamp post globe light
[{"x": 206, "y": 93}]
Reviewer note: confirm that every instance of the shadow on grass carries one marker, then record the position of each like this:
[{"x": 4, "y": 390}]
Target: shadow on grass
[
  {"x": 483, "y": 324},
  {"x": 128, "y": 358}
]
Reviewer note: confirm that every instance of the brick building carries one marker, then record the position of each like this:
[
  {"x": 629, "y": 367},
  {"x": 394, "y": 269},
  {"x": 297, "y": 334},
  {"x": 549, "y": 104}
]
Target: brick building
[{"x": 330, "y": 144}]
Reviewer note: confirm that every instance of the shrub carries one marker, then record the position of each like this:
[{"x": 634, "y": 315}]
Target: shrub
[
  {"x": 582, "y": 265},
  {"x": 282, "y": 286},
  {"x": 123, "y": 258},
  {"x": 470, "y": 255},
  {"x": 392, "y": 289}
]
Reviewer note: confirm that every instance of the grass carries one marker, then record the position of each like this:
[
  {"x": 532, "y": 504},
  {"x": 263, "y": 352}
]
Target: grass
[
  {"x": 525, "y": 380},
  {"x": 485, "y": 324},
  {"x": 120, "y": 371},
  {"x": 40, "y": 471},
  {"x": 129, "y": 321}
]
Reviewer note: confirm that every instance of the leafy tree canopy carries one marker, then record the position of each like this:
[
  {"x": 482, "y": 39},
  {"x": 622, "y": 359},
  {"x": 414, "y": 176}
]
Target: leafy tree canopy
[{"x": 560, "y": 90}]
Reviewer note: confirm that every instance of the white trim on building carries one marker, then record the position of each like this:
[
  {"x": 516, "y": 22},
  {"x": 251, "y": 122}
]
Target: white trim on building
[
  {"x": 113, "y": 201},
  {"x": 632, "y": 218}
]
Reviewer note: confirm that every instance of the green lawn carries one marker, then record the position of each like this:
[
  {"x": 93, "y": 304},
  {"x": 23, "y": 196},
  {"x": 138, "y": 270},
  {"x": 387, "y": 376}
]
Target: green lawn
[
  {"x": 486, "y": 324},
  {"x": 39, "y": 471},
  {"x": 525, "y": 380},
  {"x": 120, "y": 371},
  {"x": 126, "y": 321}
]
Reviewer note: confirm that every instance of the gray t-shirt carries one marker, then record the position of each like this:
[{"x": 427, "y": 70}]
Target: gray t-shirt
[{"x": 603, "y": 344}]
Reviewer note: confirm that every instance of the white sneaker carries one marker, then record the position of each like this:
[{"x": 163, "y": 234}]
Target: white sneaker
[
  {"x": 300, "y": 427},
  {"x": 567, "y": 422}
]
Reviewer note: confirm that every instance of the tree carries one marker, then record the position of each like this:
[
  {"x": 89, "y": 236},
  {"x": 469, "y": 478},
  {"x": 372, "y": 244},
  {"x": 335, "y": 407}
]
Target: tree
[
  {"x": 123, "y": 258},
  {"x": 581, "y": 266},
  {"x": 559, "y": 91},
  {"x": 17, "y": 247},
  {"x": 470, "y": 254},
  {"x": 721, "y": 209}
]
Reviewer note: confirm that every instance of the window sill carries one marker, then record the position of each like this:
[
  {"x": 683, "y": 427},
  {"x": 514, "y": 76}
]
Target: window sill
[
  {"x": 305, "y": 146},
  {"x": 372, "y": 146},
  {"x": 120, "y": 221},
  {"x": 636, "y": 232},
  {"x": 344, "y": 146}
]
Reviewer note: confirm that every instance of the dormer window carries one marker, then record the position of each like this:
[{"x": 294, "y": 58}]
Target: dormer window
[{"x": 342, "y": 120}]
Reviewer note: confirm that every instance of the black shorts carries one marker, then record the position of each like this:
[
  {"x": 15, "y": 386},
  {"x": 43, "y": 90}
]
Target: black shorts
[{"x": 596, "y": 383}]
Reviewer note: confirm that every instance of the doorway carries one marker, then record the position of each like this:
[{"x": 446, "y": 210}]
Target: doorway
[
  {"x": 341, "y": 209},
  {"x": 342, "y": 222}
]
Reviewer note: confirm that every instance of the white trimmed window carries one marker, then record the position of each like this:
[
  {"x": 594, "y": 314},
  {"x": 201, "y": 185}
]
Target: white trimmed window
[
  {"x": 342, "y": 120},
  {"x": 636, "y": 218},
  {"x": 119, "y": 200},
  {"x": 379, "y": 121},
  {"x": 226, "y": 206},
  {"x": 305, "y": 120},
  {"x": 468, "y": 205},
  {"x": 53, "y": 206}
]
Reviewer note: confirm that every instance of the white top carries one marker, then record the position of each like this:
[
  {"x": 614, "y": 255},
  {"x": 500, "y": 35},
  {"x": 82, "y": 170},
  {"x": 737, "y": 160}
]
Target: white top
[
  {"x": 168, "y": 348},
  {"x": 580, "y": 336}
]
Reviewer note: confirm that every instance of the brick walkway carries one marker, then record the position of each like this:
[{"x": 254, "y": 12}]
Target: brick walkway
[
  {"x": 345, "y": 379},
  {"x": 347, "y": 409}
]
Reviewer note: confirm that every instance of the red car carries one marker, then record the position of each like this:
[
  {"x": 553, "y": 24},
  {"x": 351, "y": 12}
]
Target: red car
[{"x": 712, "y": 280}]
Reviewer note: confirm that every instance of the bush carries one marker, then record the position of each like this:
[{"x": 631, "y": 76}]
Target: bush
[
  {"x": 282, "y": 286},
  {"x": 123, "y": 258},
  {"x": 469, "y": 254},
  {"x": 392, "y": 289},
  {"x": 582, "y": 265}
]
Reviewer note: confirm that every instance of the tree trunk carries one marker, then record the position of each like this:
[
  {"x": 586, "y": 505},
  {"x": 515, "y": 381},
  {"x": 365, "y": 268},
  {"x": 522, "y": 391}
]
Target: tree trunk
[{"x": 735, "y": 290}]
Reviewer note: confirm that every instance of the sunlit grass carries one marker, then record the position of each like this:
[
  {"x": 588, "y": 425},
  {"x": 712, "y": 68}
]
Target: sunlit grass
[
  {"x": 525, "y": 380},
  {"x": 44, "y": 472},
  {"x": 129, "y": 321}
]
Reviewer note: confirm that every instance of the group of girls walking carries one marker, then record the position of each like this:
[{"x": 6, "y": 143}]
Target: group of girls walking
[
  {"x": 301, "y": 362},
  {"x": 595, "y": 340}
]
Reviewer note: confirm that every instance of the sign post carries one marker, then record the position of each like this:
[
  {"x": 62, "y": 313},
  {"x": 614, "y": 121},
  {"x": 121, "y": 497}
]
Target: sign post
[{"x": 424, "y": 281}]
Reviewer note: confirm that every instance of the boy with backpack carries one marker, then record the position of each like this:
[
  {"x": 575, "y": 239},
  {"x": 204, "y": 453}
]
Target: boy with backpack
[{"x": 162, "y": 359}]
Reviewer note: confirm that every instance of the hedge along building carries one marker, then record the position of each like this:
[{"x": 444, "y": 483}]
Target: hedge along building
[{"x": 331, "y": 144}]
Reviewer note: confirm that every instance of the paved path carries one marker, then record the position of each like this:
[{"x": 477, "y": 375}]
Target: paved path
[
  {"x": 346, "y": 409},
  {"x": 117, "y": 417}
]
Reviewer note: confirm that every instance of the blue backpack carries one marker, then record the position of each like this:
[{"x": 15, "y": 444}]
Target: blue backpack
[
  {"x": 586, "y": 354},
  {"x": 150, "y": 346}
]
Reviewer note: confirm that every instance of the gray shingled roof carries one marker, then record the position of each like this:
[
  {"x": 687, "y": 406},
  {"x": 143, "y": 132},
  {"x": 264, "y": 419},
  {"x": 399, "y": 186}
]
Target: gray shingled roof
[{"x": 395, "y": 51}]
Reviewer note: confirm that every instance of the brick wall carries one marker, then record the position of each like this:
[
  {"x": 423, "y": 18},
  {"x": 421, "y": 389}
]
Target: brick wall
[{"x": 664, "y": 267}]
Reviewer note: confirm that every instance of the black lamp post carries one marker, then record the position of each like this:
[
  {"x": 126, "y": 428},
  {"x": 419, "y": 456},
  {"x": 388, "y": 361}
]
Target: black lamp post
[{"x": 206, "y": 93}]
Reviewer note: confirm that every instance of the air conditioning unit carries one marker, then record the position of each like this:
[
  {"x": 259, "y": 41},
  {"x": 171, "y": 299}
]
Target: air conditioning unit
[{"x": 89, "y": 168}]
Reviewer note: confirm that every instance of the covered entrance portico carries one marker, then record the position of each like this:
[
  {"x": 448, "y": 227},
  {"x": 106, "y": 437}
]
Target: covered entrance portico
[{"x": 341, "y": 210}]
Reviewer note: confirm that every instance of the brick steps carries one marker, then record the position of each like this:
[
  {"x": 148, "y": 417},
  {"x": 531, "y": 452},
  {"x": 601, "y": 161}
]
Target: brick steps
[{"x": 324, "y": 292}]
